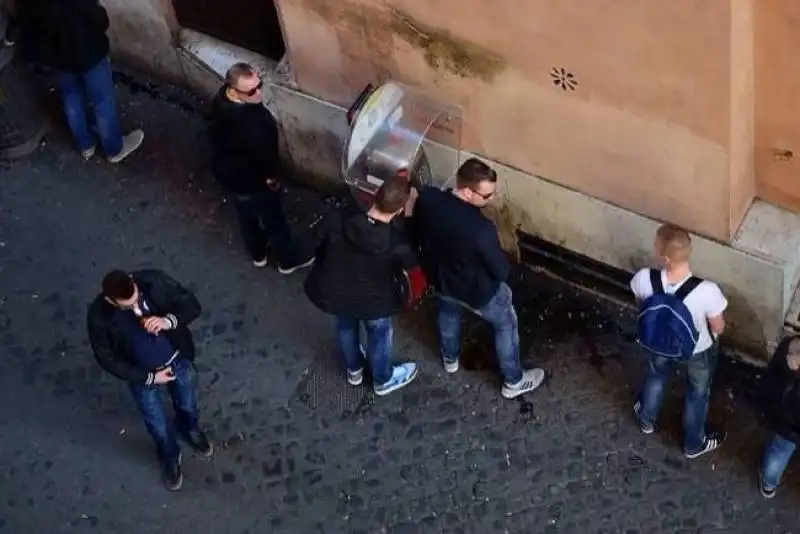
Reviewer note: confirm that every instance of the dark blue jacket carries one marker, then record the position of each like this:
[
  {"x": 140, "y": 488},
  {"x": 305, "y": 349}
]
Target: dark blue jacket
[{"x": 461, "y": 252}]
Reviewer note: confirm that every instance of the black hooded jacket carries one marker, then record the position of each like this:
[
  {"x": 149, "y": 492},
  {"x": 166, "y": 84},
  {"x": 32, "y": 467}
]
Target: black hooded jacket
[
  {"x": 244, "y": 145},
  {"x": 782, "y": 393},
  {"x": 65, "y": 35},
  {"x": 358, "y": 266}
]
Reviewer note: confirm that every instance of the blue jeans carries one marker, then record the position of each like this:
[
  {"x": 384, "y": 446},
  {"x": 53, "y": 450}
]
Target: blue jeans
[
  {"x": 699, "y": 372},
  {"x": 776, "y": 457},
  {"x": 500, "y": 313},
  {"x": 97, "y": 86},
  {"x": 148, "y": 399},
  {"x": 378, "y": 346}
]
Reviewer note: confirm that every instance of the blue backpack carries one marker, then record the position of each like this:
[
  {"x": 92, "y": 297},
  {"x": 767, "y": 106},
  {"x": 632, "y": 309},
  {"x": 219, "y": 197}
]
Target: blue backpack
[{"x": 666, "y": 327}]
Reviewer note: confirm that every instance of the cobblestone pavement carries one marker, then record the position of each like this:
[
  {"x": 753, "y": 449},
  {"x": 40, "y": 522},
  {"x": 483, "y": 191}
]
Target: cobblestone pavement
[{"x": 298, "y": 452}]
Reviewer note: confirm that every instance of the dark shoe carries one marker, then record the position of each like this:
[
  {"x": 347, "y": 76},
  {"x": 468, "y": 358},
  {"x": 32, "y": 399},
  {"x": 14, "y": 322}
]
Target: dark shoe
[
  {"x": 173, "y": 475},
  {"x": 645, "y": 428},
  {"x": 200, "y": 442},
  {"x": 289, "y": 269},
  {"x": 766, "y": 492},
  {"x": 713, "y": 441}
]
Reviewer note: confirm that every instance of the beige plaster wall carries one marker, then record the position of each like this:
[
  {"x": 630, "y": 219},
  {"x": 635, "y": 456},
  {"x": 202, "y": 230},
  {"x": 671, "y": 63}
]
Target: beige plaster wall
[
  {"x": 777, "y": 30},
  {"x": 661, "y": 96},
  {"x": 143, "y": 33}
]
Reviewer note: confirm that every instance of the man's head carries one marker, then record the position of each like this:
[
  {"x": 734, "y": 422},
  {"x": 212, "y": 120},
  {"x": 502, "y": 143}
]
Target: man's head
[
  {"x": 476, "y": 182},
  {"x": 673, "y": 245},
  {"x": 793, "y": 355},
  {"x": 392, "y": 196},
  {"x": 245, "y": 83},
  {"x": 119, "y": 289}
]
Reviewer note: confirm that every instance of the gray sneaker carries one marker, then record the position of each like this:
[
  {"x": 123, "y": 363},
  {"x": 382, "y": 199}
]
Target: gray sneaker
[
  {"x": 130, "y": 143},
  {"x": 531, "y": 379}
]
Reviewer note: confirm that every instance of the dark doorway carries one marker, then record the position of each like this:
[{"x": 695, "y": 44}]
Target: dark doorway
[{"x": 251, "y": 24}]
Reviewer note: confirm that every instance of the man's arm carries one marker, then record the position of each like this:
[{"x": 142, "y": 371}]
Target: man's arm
[
  {"x": 181, "y": 305},
  {"x": 717, "y": 303},
  {"x": 103, "y": 352},
  {"x": 492, "y": 254},
  {"x": 263, "y": 144}
]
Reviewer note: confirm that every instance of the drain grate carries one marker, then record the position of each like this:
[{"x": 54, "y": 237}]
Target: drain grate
[{"x": 324, "y": 388}]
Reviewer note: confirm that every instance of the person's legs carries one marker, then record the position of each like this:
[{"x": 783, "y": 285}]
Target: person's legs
[
  {"x": 100, "y": 90},
  {"x": 148, "y": 400},
  {"x": 347, "y": 333},
  {"x": 777, "y": 454},
  {"x": 651, "y": 395},
  {"x": 184, "y": 402},
  {"x": 386, "y": 377},
  {"x": 448, "y": 322},
  {"x": 379, "y": 349},
  {"x": 500, "y": 313},
  {"x": 248, "y": 211},
  {"x": 699, "y": 374},
  {"x": 277, "y": 228},
  {"x": 72, "y": 95}
]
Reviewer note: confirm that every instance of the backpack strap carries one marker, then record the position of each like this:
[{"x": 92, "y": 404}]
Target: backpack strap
[
  {"x": 655, "y": 281},
  {"x": 687, "y": 287}
]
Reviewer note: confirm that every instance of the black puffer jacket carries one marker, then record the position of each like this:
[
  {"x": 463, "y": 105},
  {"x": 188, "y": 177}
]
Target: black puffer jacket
[
  {"x": 110, "y": 341},
  {"x": 65, "y": 35},
  {"x": 358, "y": 266},
  {"x": 782, "y": 392}
]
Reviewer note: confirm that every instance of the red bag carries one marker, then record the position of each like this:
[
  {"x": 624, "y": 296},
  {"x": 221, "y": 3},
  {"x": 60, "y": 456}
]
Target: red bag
[{"x": 416, "y": 286}]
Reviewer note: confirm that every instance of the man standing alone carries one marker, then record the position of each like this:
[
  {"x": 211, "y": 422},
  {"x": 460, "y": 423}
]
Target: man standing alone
[
  {"x": 69, "y": 36},
  {"x": 139, "y": 331},
  {"x": 464, "y": 261},
  {"x": 246, "y": 163}
]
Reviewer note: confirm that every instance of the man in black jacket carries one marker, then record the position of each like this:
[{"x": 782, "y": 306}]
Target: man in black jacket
[
  {"x": 246, "y": 162},
  {"x": 69, "y": 36},
  {"x": 782, "y": 387},
  {"x": 356, "y": 279},
  {"x": 139, "y": 332},
  {"x": 463, "y": 259}
]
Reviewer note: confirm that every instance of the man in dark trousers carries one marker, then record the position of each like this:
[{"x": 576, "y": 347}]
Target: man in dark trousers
[
  {"x": 69, "y": 36},
  {"x": 139, "y": 331},
  {"x": 246, "y": 162},
  {"x": 356, "y": 279},
  {"x": 463, "y": 259}
]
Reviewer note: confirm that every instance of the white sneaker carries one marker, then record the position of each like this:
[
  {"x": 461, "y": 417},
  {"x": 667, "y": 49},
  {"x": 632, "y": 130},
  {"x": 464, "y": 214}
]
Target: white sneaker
[
  {"x": 531, "y": 379},
  {"x": 130, "y": 143},
  {"x": 89, "y": 152}
]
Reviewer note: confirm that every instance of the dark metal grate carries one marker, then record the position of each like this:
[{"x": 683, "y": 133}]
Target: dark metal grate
[{"x": 324, "y": 388}]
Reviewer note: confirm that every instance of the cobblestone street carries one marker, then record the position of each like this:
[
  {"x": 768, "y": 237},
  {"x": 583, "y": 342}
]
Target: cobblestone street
[{"x": 297, "y": 451}]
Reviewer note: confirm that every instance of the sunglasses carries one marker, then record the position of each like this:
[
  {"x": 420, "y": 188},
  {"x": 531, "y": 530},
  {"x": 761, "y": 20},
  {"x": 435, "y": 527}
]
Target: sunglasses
[
  {"x": 252, "y": 91},
  {"x": 484, "y": 196}
]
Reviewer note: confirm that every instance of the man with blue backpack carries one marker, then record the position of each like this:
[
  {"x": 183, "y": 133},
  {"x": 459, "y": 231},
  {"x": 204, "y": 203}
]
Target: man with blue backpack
[{"x": 680, "y": 319}]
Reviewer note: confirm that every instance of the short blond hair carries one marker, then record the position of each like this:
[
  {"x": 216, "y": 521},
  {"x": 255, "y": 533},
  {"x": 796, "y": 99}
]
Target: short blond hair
[{"x": 674, "y": 243}]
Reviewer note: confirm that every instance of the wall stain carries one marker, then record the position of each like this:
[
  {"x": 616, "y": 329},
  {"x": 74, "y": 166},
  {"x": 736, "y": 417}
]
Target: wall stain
[{"x": 444, "y": 51}]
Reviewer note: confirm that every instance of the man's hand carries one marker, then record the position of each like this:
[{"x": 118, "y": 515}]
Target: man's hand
[
  {"x": 154, "y": 325},
  {"x": 413, "y": 195},
  {"x": 274, "y": 185},
  {"x": 164, "y": 376}
]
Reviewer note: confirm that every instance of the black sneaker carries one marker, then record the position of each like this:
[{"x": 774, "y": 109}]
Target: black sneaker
[
  {"x": 289, "y": 269},
  {"x": 713, "y": 441},
  {"x": 200, "y": 442},
  {"x": 767, "y": 493},
  {"x": 173, "y": 475}
]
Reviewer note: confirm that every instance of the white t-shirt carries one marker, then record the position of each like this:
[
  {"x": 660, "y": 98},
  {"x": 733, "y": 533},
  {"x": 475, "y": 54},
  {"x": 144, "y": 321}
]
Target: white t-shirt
[{"x": 706, "y": 300}]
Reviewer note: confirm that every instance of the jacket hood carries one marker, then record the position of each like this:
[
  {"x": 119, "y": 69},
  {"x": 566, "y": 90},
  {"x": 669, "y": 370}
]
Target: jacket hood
[{"x": 367, "y": 235}]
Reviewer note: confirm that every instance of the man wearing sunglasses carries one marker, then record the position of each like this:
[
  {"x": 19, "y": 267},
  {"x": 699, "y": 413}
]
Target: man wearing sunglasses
[
  {"x": 463, "y": 259},
  {"x": 246, "y": 162}
]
